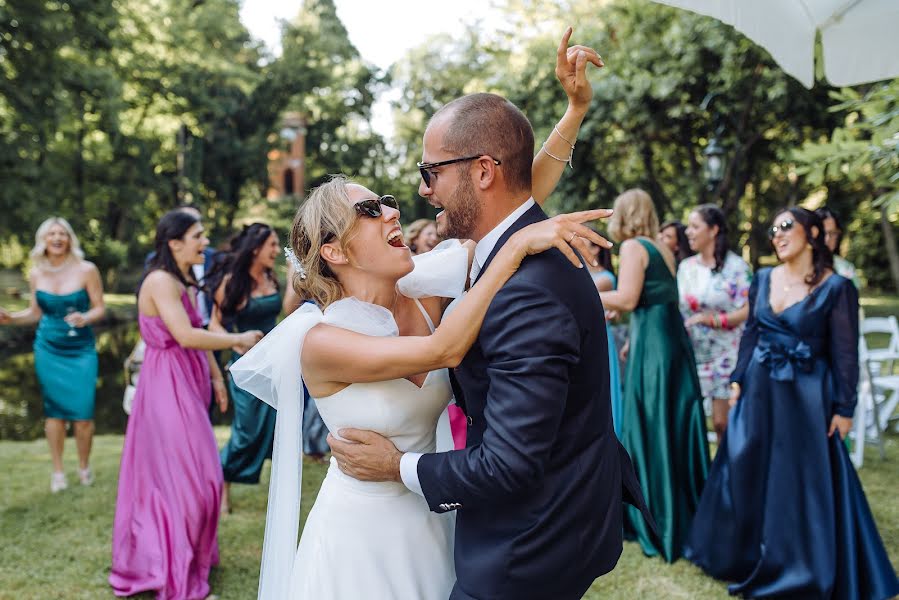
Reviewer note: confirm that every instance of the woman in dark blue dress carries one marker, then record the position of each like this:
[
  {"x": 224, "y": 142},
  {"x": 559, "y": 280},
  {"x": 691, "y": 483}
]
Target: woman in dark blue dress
[{"x": 783, "y": 513}]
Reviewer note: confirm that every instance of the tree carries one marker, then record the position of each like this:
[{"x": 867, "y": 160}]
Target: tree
[{"x": 862, "y": 155}]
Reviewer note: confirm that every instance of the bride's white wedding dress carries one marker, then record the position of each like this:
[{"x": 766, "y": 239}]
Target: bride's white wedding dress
[
  {"x": 373, "y": 540},
  {"x": 377, "y": 539}
]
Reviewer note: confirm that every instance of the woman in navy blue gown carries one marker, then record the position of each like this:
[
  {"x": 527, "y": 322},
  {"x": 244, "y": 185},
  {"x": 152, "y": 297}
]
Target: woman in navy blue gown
[{"x": 783, "y": 513}]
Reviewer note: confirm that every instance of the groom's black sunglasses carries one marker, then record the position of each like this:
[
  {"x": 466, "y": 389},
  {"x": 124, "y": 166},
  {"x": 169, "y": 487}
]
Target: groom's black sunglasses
[
  {"x": 371, "y": 208},
  {"x": 425, "y": 168}
]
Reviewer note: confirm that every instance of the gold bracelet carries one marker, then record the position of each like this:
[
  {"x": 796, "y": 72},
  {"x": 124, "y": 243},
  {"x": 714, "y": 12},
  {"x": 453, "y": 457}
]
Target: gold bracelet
[
  {"x": 734, "y": 386},
  {"x": 563, "y": 160}
]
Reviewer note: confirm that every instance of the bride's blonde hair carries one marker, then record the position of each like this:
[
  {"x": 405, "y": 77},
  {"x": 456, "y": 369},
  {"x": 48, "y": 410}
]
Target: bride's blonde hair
[{"x": 326, "y": 215}]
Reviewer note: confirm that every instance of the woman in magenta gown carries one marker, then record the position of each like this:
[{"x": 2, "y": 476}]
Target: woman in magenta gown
[{"x": 170, "y": 483}]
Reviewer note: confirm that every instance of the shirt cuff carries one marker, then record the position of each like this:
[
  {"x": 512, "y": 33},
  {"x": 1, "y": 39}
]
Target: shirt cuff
[{"x": 409, "y": 472}]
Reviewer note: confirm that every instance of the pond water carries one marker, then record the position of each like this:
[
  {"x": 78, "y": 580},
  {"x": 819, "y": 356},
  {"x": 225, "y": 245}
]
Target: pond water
[{"x": 21, "y": 407}]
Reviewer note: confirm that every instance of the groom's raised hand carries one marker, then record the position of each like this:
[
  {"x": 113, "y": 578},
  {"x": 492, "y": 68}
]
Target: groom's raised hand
[{"x": 365, "y": 455}]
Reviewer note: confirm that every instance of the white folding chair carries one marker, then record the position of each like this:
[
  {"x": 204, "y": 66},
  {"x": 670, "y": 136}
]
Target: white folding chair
[
  {"x": 881, "y": 362},
  {"x": 866, "y": 420},
  {"x": 881, "y": 325}
]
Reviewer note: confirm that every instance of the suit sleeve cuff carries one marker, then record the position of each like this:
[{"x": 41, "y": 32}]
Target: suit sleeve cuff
[{"x": 409, "y": 472}]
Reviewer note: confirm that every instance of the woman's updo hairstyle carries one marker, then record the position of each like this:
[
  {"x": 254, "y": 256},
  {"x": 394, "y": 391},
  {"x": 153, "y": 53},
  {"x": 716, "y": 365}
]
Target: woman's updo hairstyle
[{"x": 325, "y": 216}]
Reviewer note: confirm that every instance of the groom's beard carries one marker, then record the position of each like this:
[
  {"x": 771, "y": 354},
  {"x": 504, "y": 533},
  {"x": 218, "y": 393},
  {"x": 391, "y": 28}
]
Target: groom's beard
[{"x": 460, "y": 221}]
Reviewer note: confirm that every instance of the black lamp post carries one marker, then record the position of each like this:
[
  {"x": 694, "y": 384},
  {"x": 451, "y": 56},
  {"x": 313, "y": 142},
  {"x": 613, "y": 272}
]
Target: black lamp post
[
  {"x": 715, "y": 162},
  {"x": 714, "y": 166}
]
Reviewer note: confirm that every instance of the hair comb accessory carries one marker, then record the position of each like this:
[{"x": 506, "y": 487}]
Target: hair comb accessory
[{"x": 295, "y": 262}]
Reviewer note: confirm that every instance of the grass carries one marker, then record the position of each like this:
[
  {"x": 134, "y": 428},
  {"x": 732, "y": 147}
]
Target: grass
[{"x": 58, "y": 546}]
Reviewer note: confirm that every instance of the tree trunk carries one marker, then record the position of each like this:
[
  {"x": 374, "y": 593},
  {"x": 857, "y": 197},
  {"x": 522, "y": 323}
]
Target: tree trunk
[{"x": 889, "y": 240}]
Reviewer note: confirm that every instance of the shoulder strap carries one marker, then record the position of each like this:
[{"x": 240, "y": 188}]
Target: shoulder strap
[{"x": 424, "y": 313}]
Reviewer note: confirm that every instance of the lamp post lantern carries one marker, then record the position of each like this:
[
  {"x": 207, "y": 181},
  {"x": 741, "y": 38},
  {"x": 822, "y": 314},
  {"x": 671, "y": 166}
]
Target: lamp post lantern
[{"x": 714, "y": 166}]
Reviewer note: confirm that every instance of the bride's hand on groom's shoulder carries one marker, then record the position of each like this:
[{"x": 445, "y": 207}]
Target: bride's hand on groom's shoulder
[{"x": 561, "y": 232}]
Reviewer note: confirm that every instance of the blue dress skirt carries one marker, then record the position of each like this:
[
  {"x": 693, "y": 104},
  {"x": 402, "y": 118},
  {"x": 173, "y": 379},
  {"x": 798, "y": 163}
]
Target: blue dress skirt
[
  {"x": 783, "y": 513},
  {"x": 65, "y": 358}
]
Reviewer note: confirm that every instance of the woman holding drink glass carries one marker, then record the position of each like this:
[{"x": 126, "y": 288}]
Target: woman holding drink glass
[{"x": 66, "y": 299}]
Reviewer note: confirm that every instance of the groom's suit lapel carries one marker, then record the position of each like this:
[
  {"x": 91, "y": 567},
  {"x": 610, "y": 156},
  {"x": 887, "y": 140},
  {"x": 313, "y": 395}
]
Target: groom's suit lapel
[{"x": 534, "y": 214}]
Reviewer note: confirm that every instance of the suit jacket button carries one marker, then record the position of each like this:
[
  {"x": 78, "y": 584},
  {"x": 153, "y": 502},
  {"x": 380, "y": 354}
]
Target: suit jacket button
[{"x": 470, "y": 421}]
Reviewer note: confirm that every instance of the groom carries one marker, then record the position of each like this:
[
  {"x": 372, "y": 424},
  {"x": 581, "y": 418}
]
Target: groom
[{"x": 539, "y": 488}]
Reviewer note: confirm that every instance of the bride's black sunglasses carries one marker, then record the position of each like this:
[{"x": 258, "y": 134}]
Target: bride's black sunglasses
[{"x": 371, "y": 208}]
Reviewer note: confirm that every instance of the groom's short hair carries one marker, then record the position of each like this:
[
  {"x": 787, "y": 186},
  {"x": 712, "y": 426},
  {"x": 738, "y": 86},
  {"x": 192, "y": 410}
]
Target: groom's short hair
[{"x": 489, "y": 124}]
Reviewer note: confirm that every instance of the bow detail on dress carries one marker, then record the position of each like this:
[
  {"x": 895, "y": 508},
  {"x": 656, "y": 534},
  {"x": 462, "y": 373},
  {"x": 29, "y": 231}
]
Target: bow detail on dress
[{"x": 783, "y": 360}]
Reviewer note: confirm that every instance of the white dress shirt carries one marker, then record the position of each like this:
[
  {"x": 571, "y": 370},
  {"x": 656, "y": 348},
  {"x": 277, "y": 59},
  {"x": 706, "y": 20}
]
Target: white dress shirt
[{"x": 482, "y": 251}]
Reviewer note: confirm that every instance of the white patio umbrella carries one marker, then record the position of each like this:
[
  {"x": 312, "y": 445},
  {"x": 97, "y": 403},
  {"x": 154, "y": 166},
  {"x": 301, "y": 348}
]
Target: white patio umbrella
[{"x": 860, "y": 38}]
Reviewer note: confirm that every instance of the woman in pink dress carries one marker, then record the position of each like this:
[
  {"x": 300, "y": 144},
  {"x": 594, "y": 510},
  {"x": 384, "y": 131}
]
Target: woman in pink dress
[{"x": 170, "y": 483}]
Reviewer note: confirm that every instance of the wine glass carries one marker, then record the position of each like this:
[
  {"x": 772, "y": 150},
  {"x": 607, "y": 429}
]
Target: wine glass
[{"x": 71, "y": 310}]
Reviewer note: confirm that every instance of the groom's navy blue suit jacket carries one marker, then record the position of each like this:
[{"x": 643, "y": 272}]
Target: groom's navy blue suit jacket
[{"x": 539, "y": 488}]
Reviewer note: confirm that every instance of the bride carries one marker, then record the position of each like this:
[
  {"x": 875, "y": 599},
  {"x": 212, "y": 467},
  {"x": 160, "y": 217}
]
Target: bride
[{"x": 371, "y": 356}]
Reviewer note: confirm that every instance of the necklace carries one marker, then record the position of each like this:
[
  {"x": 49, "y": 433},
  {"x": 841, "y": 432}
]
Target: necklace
[{"x": 55, "y": 268}]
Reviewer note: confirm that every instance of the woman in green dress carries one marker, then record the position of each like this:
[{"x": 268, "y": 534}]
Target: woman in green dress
[
  {"x": 247, "y": 297},
  {"x": 663, "y": 425},
  {"x": 66, "y": 299}
]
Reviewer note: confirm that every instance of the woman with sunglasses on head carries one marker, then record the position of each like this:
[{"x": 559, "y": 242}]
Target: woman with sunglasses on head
[
  {"x": 246, "y": 298},
  {"x": 783, "y": 512},
  {"x": 165, "y": 530}
]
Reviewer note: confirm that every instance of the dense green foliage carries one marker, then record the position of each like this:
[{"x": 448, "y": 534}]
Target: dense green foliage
[{"x": 112, "y": 112}]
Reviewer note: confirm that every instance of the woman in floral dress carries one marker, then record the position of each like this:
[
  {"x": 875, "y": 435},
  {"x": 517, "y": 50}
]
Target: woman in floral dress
[{"x": 713, "y": 286}]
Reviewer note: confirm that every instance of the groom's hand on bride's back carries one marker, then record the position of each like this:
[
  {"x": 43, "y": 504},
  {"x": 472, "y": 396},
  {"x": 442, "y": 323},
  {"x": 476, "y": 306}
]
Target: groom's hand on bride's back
[{"x": 365, "y": 455}]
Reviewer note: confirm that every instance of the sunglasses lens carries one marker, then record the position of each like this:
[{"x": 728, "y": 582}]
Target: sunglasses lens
[
  {"x": 426, "y": 177},
  {"x": 786, "y": 226},
  {"x": 772, "y": 231},
  {"x": 369, "y": 208},
  {"x": 390, "y": 201}
]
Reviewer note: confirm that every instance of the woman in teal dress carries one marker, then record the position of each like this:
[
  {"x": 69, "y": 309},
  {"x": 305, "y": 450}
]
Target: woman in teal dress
[
  {"x": 247, "y": 298},
  {"x": 603, "y": 275},
  {"x": 66, "y": 298},
  {"x": 662, "y": 425}
]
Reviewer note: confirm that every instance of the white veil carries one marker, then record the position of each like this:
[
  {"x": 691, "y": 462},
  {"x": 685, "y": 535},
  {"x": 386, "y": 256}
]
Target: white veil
[{"x": 271, "y": 371}]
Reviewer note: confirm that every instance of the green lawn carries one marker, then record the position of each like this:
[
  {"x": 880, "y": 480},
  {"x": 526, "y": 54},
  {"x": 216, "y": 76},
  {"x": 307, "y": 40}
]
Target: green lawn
[{"x": 58, "y": 546}]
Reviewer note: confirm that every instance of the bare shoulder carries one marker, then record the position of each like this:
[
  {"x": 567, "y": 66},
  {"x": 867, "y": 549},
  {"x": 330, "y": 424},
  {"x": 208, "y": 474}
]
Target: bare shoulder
[
  {"x": 634, "y": 249},
  {"x": 159, "y": 279},
  {"x": 88, "y": 270}
]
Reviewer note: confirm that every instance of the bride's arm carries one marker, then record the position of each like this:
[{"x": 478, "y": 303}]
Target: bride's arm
[
  {"x": 335, "y": 355},
  {"x": 571, "y": 71}
]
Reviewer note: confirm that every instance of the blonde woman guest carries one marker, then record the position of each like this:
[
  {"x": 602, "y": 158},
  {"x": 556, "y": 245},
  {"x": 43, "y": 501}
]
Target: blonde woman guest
[
  {"x": 421, "y": 236},
  {"x": 170, "y": 483},
  {"x": 714, "y": 289},
  {"x": 66, "y": 299},
  {"x": 662, "y": 424}
]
